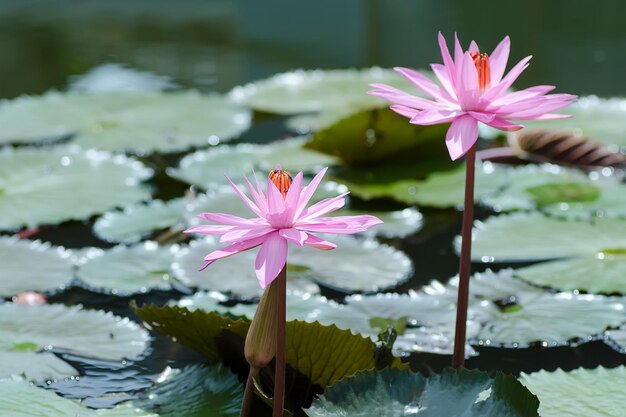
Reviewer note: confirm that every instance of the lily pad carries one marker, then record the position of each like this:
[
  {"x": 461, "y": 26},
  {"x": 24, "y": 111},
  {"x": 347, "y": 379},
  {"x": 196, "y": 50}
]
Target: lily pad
[
  {"x": 600, "y": 274},
  {"x": 34, "y": 366},
  {"x": 312, "y": 122},
  {"x": 617, "y": 338},
  {"x": 137, "y": 221},
  {"x": 47, "y": 186},
  {"x": 206, "y": 168},
  {"x": 167, "y": 122},
  {"x": 579, "y": 393},
  {"x": 195, "y": 391},
  {"x": 318, "y": 90},
  {"x": 396, "y": 224},
  {"x": 458, "y": 392},
  {"x": 532, "y": 236},
  {"x": 89, "y": 333},
  {"x": 116, "y": 78},
  {"x": 127, "y": 270},
  {"x": 52, "y": 271},
  {"x": 598, "y": 118}
]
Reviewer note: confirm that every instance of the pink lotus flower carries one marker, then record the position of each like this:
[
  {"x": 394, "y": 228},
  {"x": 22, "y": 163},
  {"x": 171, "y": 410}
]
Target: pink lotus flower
[
  {"x": 282, "y": 218},
  {"x": 474, "y": 90}
]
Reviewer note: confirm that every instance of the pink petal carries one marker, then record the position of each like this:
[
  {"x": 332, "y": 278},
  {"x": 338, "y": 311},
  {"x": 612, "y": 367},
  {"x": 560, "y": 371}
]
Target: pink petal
[
  {"x": 404, "y": 111},
  {"x": 482, "y": 117},
  {"x": 458, "y": 51},
  {"x": 293, "y": 196},
  {"x": 209, "y": 229},
  {"x": 293, "y": 235},
  {"x": 473, "y": 47},
  {"x": 432, "y": 117},
  {"x": 271, "y": 259},
  {"x": 396, "y": 96},
  {"x": 245, "y": 233},
  {"x": 228, "y": 219},
  {"x": 445, "y": 54},
  {"x": 498, "y": 60},
  {"x": 553, "y": 116},
  {"x": 496, "y": 90},
  {"x": 308, "y": 191},
  {"x": 340, "y": 224},
  {"x": 316, "y": 242},
  {"x": 424, "y": 84},
  {"x": 467, "y": 83},
  {"x": 277, "y": 214},
  {"x": 245, "y": 199},
  {"x": 521, "y": 95},
  {"x": 257, "y": 195},
  {"x": 325, "y": 206},
  {"x": 461, "y": 136},
  {"x": 233, "y": 249},
  {"x": 505, "y": 125},
  {"x": 547, "y": 103},
  {"x": 443, "y": 75}
]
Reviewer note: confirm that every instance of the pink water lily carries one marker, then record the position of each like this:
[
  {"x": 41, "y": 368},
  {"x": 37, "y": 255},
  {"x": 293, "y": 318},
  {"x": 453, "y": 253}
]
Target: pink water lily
[
  {"x": 473, "y": 89},
  {"x": 282, "y": 217}
]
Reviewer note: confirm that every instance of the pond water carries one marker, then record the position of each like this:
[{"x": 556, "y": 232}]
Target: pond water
[{"x": 217, "y": 45}]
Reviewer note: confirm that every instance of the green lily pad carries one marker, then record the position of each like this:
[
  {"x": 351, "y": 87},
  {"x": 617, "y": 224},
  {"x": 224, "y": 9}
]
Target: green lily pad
[
  {"x": 206, "y": 168},
  {"x": 458, "y": 392},
  {"x": 137, "y": 221},
  {"x": 376, "y": 135},
  {"x": 312, "y": 122},
  {"x": 52, "y": 271},
  {"x": 318, "y": 90},
  {"x": 594, "y": 117},
  {"x": 166, "y": 122},
  {"x": 579, "y": 393},
  {"x": 396, "y": 224},
  {"x": 127, "y": 270},
  {"x": 34, "y": 366},
  {"x": 116, "y": 78},
  {"x": 89, "y": 333},
  {"x": 600, "y": 274},
  {"x": 195, "y": 391},
  {"x": 47, "y": 186},
  {"x": 234, "y": 275},
  {"x": 617, "y": 338},
  {"x": 532, "y": 236}
]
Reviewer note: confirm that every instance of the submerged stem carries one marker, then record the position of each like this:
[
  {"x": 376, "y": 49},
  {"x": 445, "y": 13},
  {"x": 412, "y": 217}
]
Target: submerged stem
[
  {"x": 248, "y": 393},
  {"x": 458, "y": 357},
  {"x": 281, "y": 317}
]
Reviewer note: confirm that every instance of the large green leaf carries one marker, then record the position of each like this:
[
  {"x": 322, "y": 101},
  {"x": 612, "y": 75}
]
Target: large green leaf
[
  {"x": 532, "y": 236},
  {"x": 88, "y": 333},
  {"x": 207, "y": 168},
  {"x": 460, "y": 393},
  {"x": 44, "y": 186},
  {"x": 375, "y": 135},
  {"x": 600, "y": 119},
  {"x": 127, "y": 270},
  {"x": 167, "y": 122},
  {"x": 580, "y": 393},
  {"x": 33, "y": 365},
  {"x": 52, "y": 271},
  {"x": 136, "y": 221},
  {"x": 319, "y": 90},
  {"x": 617, "y": 338},
  {"x": 603, "y": 273}
]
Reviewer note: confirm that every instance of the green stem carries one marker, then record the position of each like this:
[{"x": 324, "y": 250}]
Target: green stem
[
  {"x": 248, "y": 394},
  {"x": 458, "y": 357},
  {"x": 281, "y": 318}
]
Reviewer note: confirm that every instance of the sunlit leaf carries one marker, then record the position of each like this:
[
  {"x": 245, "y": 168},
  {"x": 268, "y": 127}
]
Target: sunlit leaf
[
  {"x": 579, "y": 393},
  {"x": 33, "y": 365},
  {"x": 127, "y": 270},
  {"x": 136, "y": 221},
  {"x": 52, "y": 270},
  {"x": 44, "y": 186},
  {"x": 458, "y": 392},
  {"x": 318, "y": 90},
  {"x": 617, "y": 338}
]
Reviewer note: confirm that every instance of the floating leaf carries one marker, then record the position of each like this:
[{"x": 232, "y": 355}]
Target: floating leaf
[
  {"x": 127, "y": 270},
  {"x": 88, "y": 333},
  {"x": 116, "y": 78},
  {"x": 532, "y": 236},
  {"x": 207, "y": 168},
  {"x": 136, "y": 221},
  {"x": 167, "y": 122},
  {"x": 458, "y": 392},
  {"x": 375, "y": 135},
  {"x": 563, "y": 148},
  {"x": 44, "y": 186},
  {"x": 617, "y": 338},
  {"x": 399, "y": 224},
  {"x": 604, "y": 274},
  {"x": 599, "y": 119},
  {"x": 51, "y": 271},
  {"x": 579, "y": 393},
  {"x": 234, "y": 274},
  {"x": 311, "y": 122},
  {"x": 34, "y": 366},
  {"x": 318, "y": 90},
  {"x": 195, "y": 391}
]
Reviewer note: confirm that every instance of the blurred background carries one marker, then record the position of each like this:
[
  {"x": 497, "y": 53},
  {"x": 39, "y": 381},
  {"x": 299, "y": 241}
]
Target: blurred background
[{"x": 214, "y": 45}]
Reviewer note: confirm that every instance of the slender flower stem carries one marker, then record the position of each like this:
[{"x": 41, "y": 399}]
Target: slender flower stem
[
  {"x": 248, "y": 394},
  {"x": 281, "y": 317},
  {"x": 458, "y": 358}
]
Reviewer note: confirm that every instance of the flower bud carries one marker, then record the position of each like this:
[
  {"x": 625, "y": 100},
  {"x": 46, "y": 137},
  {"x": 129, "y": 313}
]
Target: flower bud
[{"x": 260, "y": 345}]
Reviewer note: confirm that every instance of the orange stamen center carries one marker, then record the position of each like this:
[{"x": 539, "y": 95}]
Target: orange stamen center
[
  {"x": 482, "y": 67},
  {"x": 281, "y": 179}
]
